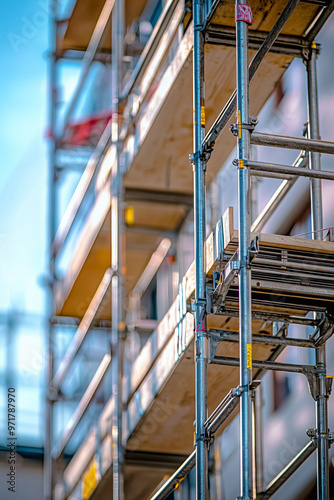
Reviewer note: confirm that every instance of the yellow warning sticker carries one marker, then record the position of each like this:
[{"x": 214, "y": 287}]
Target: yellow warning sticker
[
  {"x": 239, "y": 124},
  {"x": 129, "y": 216},
  {"x": 203, "y": 115},
  {"x": 89, "y": 481},
  {"x": 241, "y": 164},
  {"x": 249, "y": 356}
]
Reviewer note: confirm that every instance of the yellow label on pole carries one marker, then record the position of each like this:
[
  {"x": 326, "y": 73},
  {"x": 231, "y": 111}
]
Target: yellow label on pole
[
  {"x": 239, "y": 124},
  {"x": 89, "y": 482},
  {"x": 241, "y": 164},
  {"x": 129, "y": 216},
  {"x": 203, "y": 115},
  {"x": 249, "y": 356}
]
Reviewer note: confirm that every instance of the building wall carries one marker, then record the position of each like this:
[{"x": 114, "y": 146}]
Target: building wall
[{"x": 28, "y": 478}]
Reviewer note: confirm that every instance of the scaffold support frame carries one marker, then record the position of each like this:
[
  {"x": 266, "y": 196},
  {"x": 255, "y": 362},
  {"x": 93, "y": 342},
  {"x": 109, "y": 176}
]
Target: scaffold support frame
[{"x": 251, "y": 479}]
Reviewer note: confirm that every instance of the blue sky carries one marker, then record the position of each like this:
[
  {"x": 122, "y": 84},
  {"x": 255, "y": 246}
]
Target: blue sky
[
  {"x": 23, "y": 196},
  {"x": 23, "y": 173}
]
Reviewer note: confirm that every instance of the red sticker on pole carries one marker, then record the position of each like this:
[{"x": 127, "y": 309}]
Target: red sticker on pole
[{"x": 243, "y": 13}]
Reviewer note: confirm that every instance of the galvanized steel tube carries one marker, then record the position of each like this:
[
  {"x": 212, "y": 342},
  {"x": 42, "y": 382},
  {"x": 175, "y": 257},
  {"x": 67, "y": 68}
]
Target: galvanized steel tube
[
  {"x": 281, "y": 141},
  {"x": 48, "y": 471},
  {"x": 116, "y": 255},
  {"x": 245, "y": 311},
  {"x": 270, "y": 168},
  {"x": 199, "y": 243},
  {"x": 317, "y": 223}
]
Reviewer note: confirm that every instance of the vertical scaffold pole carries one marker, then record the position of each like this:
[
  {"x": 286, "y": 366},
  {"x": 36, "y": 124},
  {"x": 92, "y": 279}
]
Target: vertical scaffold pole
[
  {"x": 199, "y": 243},
  {"x": 117, "y": 326},
  {"x": 243, "y": 18},
  {"x": 48, "y": 461},
  {"x": 317, "y": 224}
]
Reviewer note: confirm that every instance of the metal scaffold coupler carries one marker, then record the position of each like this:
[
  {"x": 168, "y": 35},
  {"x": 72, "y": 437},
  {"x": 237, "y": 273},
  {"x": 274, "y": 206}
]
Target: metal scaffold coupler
[
  {"x": 245, "y": 388},
  {"x": 206, "y": 150},
  {"x": 307, "y": 51},
  {"x": 202, "y": 156},
  {"x": 206, "y": 438},
  {"x": 313, "y": 434},
  {"x": 197, "y": 302},
  {"x": 237, "y": 127},
  {"x": 52, "y": 394}
]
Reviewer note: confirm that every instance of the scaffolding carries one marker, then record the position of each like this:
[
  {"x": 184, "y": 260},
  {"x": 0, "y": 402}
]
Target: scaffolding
[{"x": 236, "y": 274}]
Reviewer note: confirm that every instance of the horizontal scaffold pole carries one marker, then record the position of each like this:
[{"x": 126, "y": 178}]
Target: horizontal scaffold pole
[
  {"x": 264, "y": 339},
  {"x": 267, "y": 365},
  {"x": 273, "y": 175},
  {"x": 266, "y": 168},
  {"x": 281, "y": 141}
]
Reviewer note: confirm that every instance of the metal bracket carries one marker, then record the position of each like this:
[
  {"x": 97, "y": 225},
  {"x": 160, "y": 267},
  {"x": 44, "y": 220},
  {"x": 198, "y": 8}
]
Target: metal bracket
[
  {"x": 314, "y": 436},
  {"x": 253, "y": 250},
  {"x": 306, "y": 52},
  {"x": 206, "y": 151},
  {"x": 329, "y": 385},
  {"x": 325, "y": 330},
  {"x": 254, "y": 385},
  {"x": 197, "y": 302},
  {"x": 228, "y": 275},
  {"x": 245, "y": 388},
  {"x": 213, "y": 345},
  {"x": 53, "y": 395},
  {"x": 311, "y": 376},
  {"x": 320, "y": 325},
  {"x": 235, "y": 128},
  {"x": 202, "y": 155},
  {"x": 209, "y": 293},
  {"x": 208, "y": 440}
]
